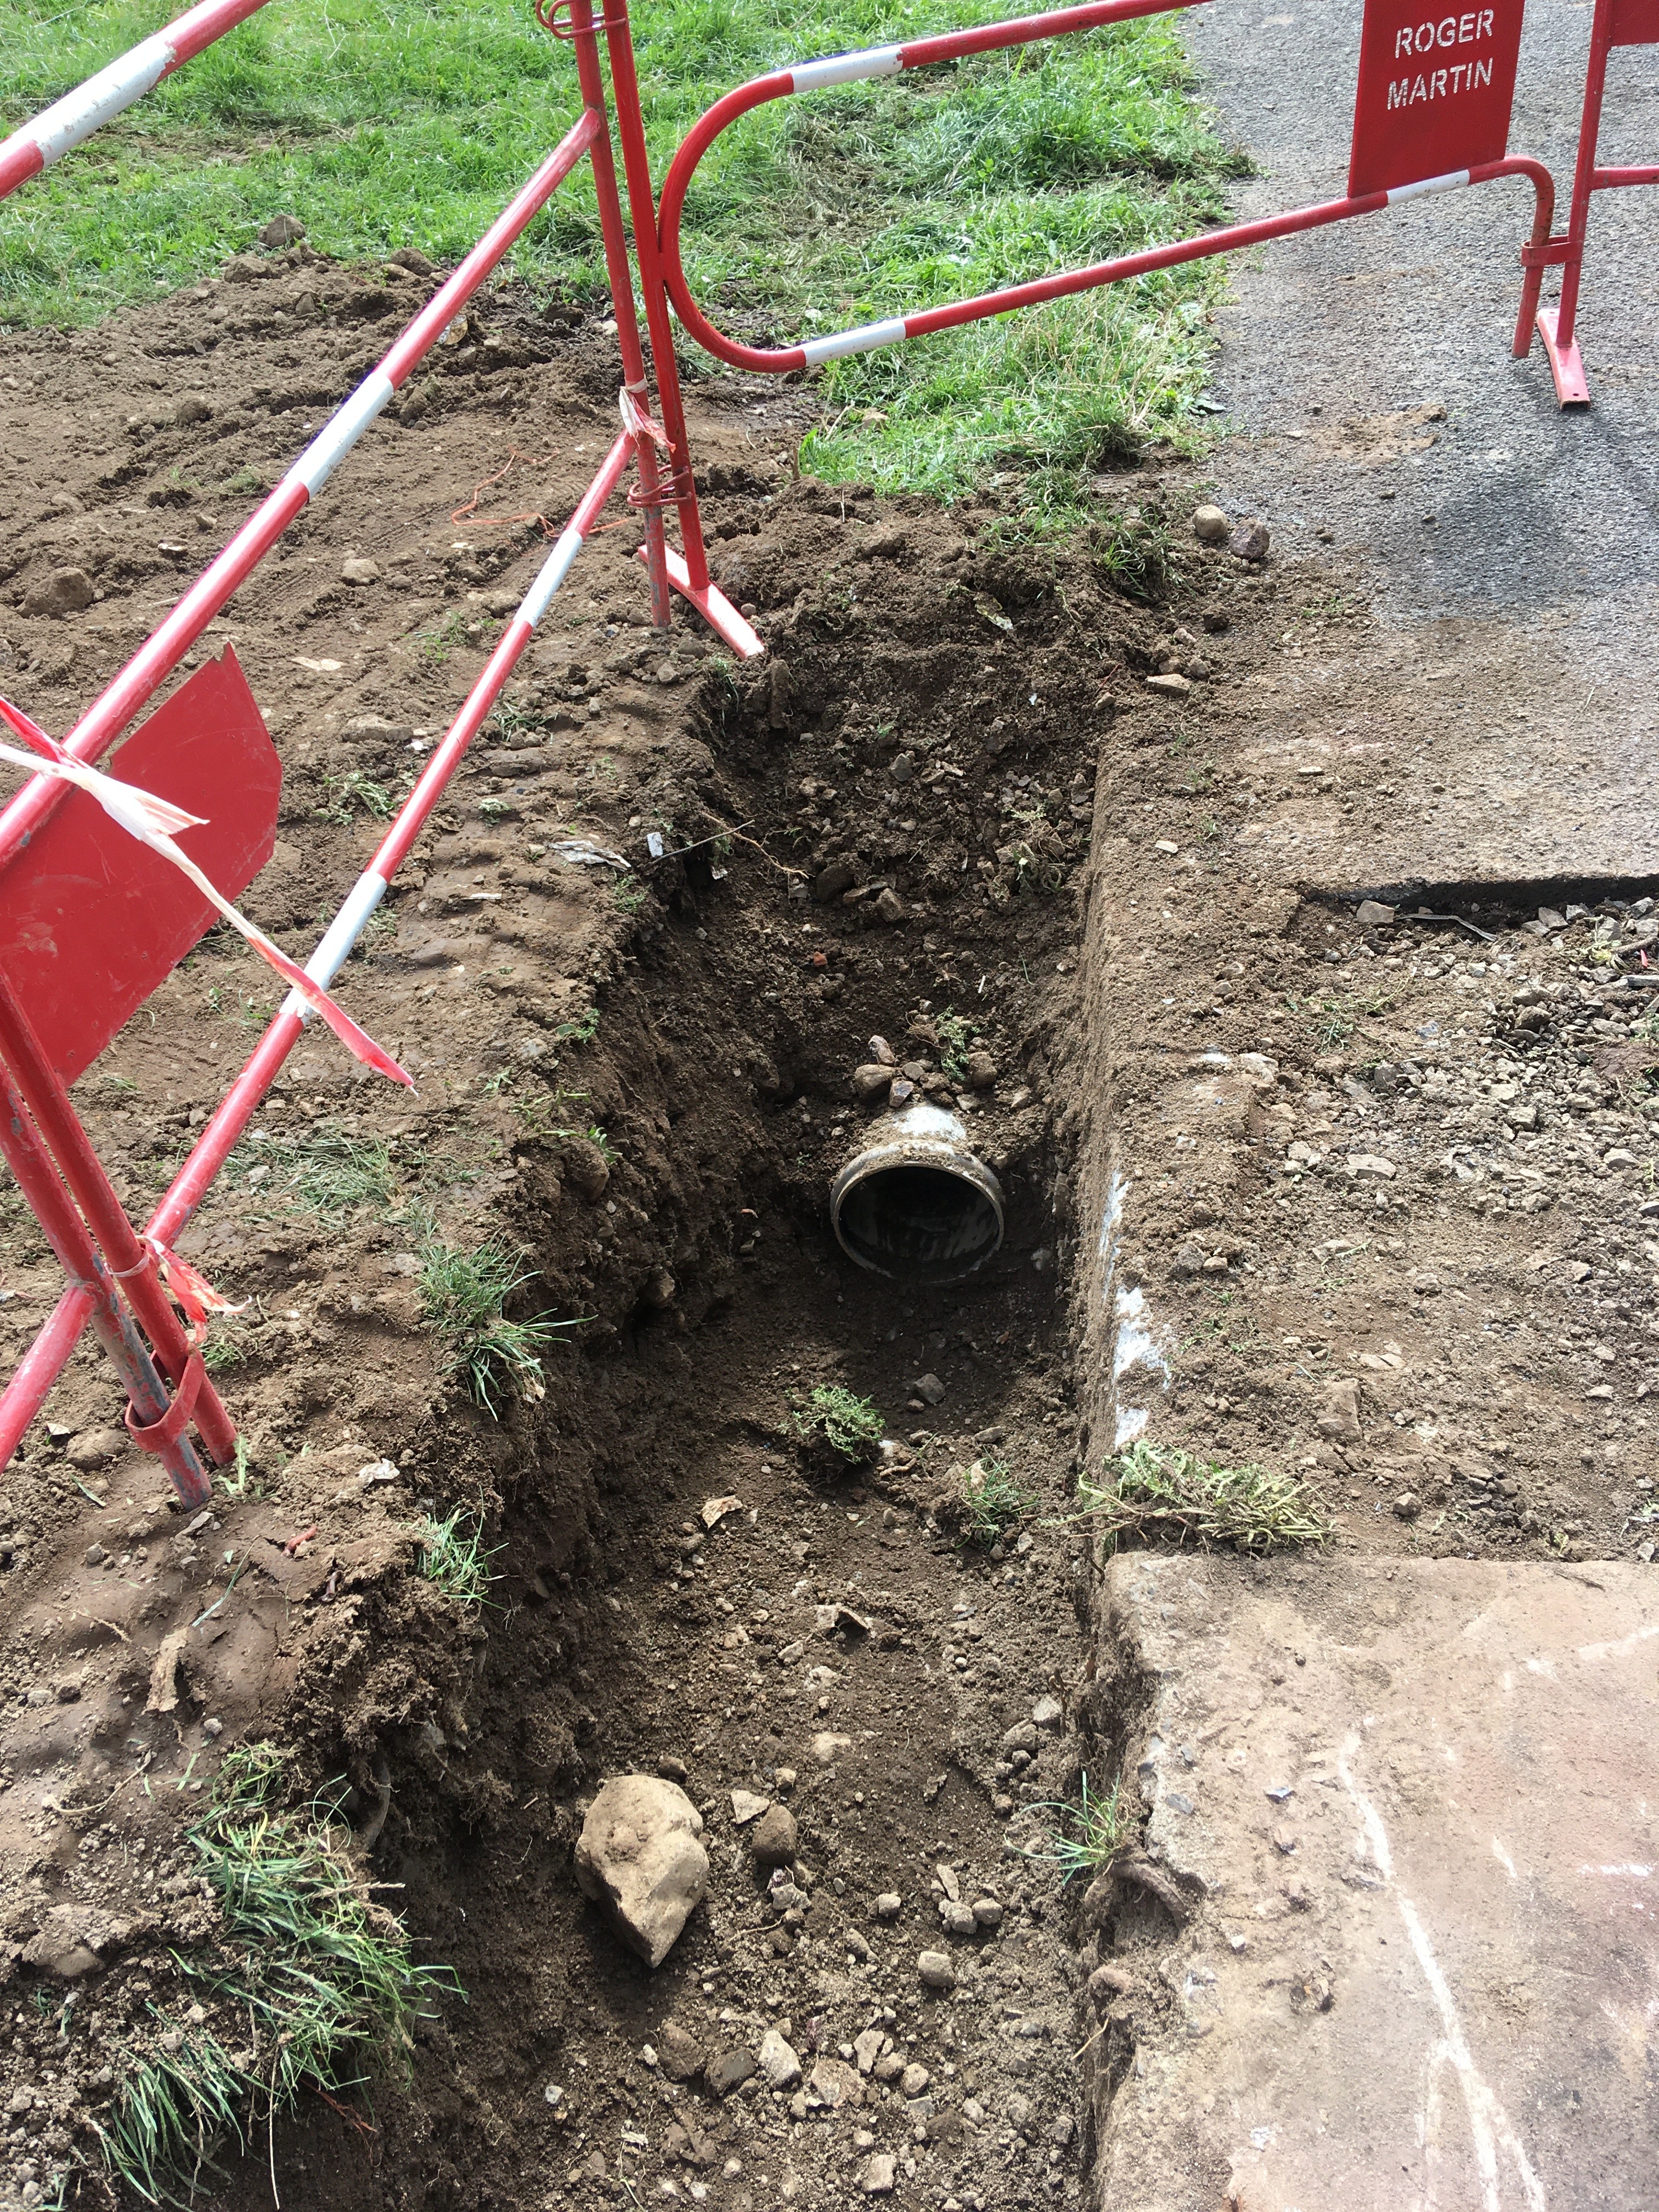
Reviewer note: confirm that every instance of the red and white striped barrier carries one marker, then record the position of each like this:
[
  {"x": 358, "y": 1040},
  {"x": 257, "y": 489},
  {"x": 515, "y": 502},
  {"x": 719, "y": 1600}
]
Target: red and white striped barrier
[
  {"x": 36, "y": 146},
  {"x": 1398, "y": 153},
  {"x": 111, "y": 1268},
  {"x": 1615, "y": 23}
]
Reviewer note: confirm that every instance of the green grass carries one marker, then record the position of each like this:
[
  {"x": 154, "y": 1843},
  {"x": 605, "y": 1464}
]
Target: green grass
[
  {"x": 992, "y": 1502},
  {"x": 1158, "y": 1493},
  {"x": 1087, "y": 1836},
  {"x": 463, "y": 1294},
  {"x": 849, "y": 1424},
  {"x": 454, "y": 1556},
  {"x": 392, "y": 123},
  {"x": 313, "y": 1987}
]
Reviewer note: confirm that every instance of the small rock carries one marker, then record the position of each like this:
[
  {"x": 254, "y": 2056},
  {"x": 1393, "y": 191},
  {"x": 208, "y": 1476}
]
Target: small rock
[
  {"x": 39, "y": 1696},
  {"x": 879, "y": 1050},
  {"x": 678, "y": 2052},
  {"x": 192, "y": 408},
  {"x": 1209, "y": 524},
  {"x": 1407, "y": 1506},
  {"x": 927, "y": 1386},
  {"x": 410, "y": 257},
  {"x": 833, "y": 882},
  {"x": 746, "y": 1806},
  {"x": 282, "y": 230},
  {"x": 1048, "y": 1713},
  {"x": 779, "y": 2061},
  {"x": 982, "y": 1071},
  {"x": 870, "y": 1081},
  {"x": 68, "y": 1692},
  {"x": 958, "y": 1919},
  {"x": 890, "y": 906},
  {"x": 1340, "y": 1416},
  {"x": 913, "y": 2080},
  {"x": 414, "y": 406},
  {"x": 586, "y": 1170},
  {"x": 988, "y": 1911},
  {"x": 1061, "y": 2129},
  {"x": 96, "y": 1555},
  {"x": 1372, "y": 1164},
  {"x": 1250, "y": 541},
  {"x": 867, "y": 2047},
  {"x": 936, "y": 1971},
  {"x": 833, "y": 2083},
  {"x": 889, "y": 1904},
  {"x": 877, "y": 2177},
  {"x": 65, "y": 591},
  {"x": 1373, "y": 914},
  {"x": 96, "y": 1448},
  {"x": 1169, "y": 687},
  {"x": 729, "y": 2071},
  {"x": 360, "y": 569},
  {"x": 1020, "y": 2111},
  {"x": 638, "y": 1855},
  {"x": 776, "y": 1839},
  {"x": 1023, "y": 1736}
]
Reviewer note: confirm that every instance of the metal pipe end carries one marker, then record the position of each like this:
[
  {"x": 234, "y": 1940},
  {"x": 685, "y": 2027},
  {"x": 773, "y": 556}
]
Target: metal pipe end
[{"x": 914, "y": 1203}]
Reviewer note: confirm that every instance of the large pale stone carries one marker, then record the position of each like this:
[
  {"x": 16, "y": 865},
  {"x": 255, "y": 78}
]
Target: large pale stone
[{"x": 638, "y": 1855}]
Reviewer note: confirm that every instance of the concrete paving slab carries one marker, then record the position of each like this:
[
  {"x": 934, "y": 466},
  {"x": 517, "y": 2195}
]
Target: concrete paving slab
[{"x": 1420, "y": 1804}]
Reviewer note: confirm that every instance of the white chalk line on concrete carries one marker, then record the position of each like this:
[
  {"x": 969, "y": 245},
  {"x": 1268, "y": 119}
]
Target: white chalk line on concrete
[{"x": 1488, "y": 2123}]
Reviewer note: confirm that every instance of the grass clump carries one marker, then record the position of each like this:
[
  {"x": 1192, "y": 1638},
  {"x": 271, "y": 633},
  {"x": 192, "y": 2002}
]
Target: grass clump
[
  {"x": 1159, "y": 1493},
  {"x": 1089, "y": 1834},
  {"x": 956, "y": 1036},
  {"x": 849, "y": 1424},
  {"x": 393, "y": 122},
  {"x": 991, "y": 1502},
  {"x": 463, "y": 1297},
  {"x": 313, "y": 1987},
  {"x": 334, "y": 1173},
  {"x": 454, "y": 1556}
]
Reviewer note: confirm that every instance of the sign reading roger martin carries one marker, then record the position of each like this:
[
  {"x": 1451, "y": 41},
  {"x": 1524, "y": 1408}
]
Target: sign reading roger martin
[{"x": 1435, "y": 91}]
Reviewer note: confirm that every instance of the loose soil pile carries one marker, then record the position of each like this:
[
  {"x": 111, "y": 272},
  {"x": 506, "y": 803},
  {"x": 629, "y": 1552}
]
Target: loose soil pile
[{"x": 643, "y": 1077}]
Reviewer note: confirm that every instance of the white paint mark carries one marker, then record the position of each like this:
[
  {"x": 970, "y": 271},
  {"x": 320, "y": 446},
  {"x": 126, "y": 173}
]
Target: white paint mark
[
  {"x": 1131, "y": 1423},
  {"x": 1489, "y": 2126},
  {"x": 1544, "y": 1666},
  {"x": 1622, "y": 1649},
  {"x": 1504, "y": 1859},
  {"x": 1636, "y": 1873}
]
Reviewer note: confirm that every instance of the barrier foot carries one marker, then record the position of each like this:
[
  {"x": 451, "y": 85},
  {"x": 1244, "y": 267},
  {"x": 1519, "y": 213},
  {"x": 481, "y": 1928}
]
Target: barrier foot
[
  {"x": 716, "y": 610},
  {"x": 1566, "y": 362}
]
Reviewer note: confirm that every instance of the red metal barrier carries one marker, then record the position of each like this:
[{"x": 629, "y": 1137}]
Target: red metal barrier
[
  {"x": 1419, "y": 126},
  {"x": 111, "y": 1268},
  {"x": 34, "y": 146},
  {"x": 1615, "y": 23}
]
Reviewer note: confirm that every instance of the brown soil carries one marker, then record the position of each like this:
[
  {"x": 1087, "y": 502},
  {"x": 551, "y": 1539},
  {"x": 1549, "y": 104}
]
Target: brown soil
[{"x": 930, "y": 720}]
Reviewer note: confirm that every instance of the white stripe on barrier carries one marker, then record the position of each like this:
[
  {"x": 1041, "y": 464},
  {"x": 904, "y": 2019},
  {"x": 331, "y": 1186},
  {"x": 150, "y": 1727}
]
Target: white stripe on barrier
[
  {"x": 1448, "y": 183},
  {"x": 553, "y": 571},
  {"x": 847, "y": 69},
  {"x": 340, "y": 433},
  {"x": 336, "y": 941},
  {"x": 91, "y": 105},
  {"x": 864, "y": 339}
]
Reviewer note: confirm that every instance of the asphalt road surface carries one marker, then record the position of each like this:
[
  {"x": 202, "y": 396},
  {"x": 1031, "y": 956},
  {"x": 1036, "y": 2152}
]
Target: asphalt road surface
[{"x": 1517, "y": 540}]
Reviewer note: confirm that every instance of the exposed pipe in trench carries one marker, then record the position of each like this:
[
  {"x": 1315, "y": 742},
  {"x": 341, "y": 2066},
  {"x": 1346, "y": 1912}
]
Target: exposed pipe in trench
[{"x": 914, "y": 1202}]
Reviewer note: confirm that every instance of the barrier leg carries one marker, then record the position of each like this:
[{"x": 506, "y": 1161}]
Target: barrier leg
[
  {"x": 690, "y": 574},
  {"x": 65, "y": 1232},
  {"x": 128, "y": 1262},
  {"x": 1556, "y": 324},
  {"x": 591, "y": 80}
]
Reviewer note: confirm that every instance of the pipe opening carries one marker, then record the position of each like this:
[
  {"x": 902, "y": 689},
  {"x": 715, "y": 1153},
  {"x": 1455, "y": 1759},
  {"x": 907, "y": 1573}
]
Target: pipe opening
[{"x": 918, "y": 1206}]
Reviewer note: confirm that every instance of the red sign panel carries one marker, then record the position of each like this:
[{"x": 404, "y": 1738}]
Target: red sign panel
[
  {"x": 1435, "y": 90},
  {"x": 91, "y": 921},
  {"x": 1636, "y": 22}
]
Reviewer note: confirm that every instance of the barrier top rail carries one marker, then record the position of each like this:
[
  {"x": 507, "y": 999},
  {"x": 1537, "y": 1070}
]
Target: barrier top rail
[
  {"x": 36, "y": 145},
  {"x": 1388, "y": 162}
]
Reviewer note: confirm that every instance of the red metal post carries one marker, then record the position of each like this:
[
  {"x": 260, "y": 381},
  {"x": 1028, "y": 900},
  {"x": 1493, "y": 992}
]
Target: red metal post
[
  {"x": 1555, "y": 326},
  {"x": 91, "y": 1294},
  {"x": 128, "y": 1261},
  {"x": 642, "y": 204},
  {"x": 591, "y": 80}
]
